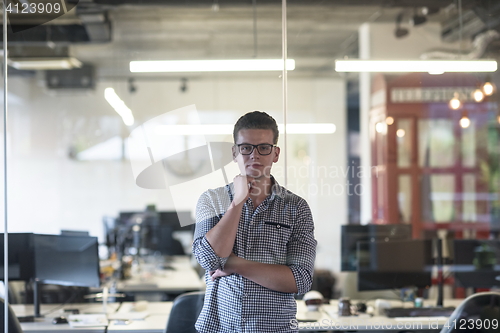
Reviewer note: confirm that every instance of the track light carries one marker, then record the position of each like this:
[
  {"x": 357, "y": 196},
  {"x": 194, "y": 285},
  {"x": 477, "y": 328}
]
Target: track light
[
  {"x": 430, "y": 10},
  {"x": 417, "y": 20},
  {"x": 184, "y": 87},
  {"x": 132, "y": 88},
  {"x": 400, "y": 32}
]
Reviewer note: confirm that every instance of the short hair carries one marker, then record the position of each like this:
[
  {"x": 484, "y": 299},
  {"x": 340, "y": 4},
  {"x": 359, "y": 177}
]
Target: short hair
[{"x": 256, "y": 120}]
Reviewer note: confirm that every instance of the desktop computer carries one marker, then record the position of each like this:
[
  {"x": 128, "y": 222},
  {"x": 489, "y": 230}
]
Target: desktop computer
[
  {"x": 394, "y": 265},
  {"x": 352, "y": 234},
  {"x": 476, "y": 263},
  {"x": 51, "y": 259}
]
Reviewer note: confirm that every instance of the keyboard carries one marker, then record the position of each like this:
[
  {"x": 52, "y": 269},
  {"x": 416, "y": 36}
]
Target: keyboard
[{"x": 419, "y": 312}]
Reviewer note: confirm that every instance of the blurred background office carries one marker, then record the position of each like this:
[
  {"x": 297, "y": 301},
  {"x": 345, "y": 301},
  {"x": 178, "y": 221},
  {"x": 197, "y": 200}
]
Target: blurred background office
[{"x": 362, "y": 147}]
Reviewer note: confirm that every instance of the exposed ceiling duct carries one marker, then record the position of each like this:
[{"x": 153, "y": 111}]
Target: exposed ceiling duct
[{"x": 479, "y": 45}]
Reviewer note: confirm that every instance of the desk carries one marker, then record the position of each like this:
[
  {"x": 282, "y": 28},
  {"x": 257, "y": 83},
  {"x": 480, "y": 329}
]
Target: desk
[
  {"x": 329, "y": 320},
  {"x": 51, "y": 310},
  {"x": 179, "y": 278},
  {"x": 325, "y": 320}
]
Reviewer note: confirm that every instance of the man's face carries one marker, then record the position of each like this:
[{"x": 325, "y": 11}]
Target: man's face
[{"x": 255, "y": 165}]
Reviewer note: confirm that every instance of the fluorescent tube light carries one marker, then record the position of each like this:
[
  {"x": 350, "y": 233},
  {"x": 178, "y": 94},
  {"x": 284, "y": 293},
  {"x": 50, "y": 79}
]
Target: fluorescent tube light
[
  {"x": 227, "y": 129},
  {"x": 241, "y": 65},
  {"x": 405, "y": 66},
  {"x": 322, "y": 128},
  {"x": 52, "y": 63},
  {"x": 119, "y": 106}
]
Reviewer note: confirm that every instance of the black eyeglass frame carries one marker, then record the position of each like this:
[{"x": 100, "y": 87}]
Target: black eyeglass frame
[{"x": 255, "y": 146}]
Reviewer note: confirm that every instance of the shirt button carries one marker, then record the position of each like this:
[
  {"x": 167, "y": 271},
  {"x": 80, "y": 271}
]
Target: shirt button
[{"x": 278, "y": 226}]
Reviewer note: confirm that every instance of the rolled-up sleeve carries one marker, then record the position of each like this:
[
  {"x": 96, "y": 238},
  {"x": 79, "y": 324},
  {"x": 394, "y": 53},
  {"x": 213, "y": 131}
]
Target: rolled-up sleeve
[
  {"x": 207, "y": 217},
  {"x": 301, "y": 249}
]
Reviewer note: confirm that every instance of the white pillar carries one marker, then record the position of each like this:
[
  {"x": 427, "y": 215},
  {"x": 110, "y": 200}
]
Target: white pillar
[{"x": 364, "y": 135}]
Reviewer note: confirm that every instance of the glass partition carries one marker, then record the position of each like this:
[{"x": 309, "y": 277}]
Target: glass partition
[{"x": 92, "y": 134}]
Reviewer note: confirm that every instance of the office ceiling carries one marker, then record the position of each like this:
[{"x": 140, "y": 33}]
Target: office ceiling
[{"x": 110, "y": 33}]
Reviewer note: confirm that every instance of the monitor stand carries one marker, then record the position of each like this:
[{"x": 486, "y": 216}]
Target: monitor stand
[
  {"x": 36, "y": 305},
  {"x": 36, "y": 298}
]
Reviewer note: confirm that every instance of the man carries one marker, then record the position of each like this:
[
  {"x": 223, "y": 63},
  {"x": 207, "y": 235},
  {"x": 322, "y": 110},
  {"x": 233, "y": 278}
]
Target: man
[{"x": 255, "y": 239}]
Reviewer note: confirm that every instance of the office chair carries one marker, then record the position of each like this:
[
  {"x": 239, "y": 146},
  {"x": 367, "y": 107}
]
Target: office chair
[
  {"x": 185, "y": 312},
  {"x": 479, "y": 307},
  {"x": 14, "y": 326}
]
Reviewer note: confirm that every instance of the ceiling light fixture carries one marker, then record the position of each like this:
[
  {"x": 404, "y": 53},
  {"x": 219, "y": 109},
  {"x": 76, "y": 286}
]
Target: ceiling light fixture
[
  {"x": 464, "y": 121},
  {"x": 430, "y": 10},
  {"x": 418, "y": 20},
  {"x": 455, "y": 102},
  {"x": 44, "y": 63},
  {"x": 381, "y": 128},
  {"x": 478, "y": 95},
  {"x": 241, "y": 65},
  {"x": 488, "y": 88},
  {"x": 227, "y": 129},
  {"x": 400, "y": 32},
  {"x": 120, "y": 107},
  {"x": 408, "y": 66}
]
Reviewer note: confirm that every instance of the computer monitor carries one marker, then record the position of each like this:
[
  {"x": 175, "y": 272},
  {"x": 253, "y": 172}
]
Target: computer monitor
[
  {"x": 171, "y": 218},
  {"x": 395, "y": 264},
  {"x": 174, "y": 219},
  {"x": 352, "y": 234},
  {"x": 67, "y": 260},
  {"x": 21, "y": 257},
  {"x": 154, "y": 232},
  {"x": 476, "y": 263},
  {"x": 74, "y": 233},
  {"x": 52, "y": 259}
]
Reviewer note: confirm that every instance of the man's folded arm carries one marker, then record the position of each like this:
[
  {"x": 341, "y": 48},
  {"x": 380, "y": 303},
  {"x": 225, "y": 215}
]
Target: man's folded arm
[
  {"x": 206, "y": 218},
  {"x": 294, "y": 277}
]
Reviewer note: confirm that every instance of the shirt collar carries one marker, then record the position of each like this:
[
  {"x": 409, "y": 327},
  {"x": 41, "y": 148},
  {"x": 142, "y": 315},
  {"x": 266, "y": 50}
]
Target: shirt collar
[{"x": 276, "y": 189}]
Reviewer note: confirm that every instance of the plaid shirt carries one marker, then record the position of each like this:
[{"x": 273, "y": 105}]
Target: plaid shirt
[{"x": 280, "y": 231}]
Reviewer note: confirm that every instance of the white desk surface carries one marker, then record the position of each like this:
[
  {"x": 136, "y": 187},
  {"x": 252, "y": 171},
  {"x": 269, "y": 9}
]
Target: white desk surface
[
  {"x": 157, "y": 316},
  {"x": 51, "y": 311}
]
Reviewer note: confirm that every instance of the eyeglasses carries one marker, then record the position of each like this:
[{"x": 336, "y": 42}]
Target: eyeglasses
[{"x": 263, "y": 148}]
